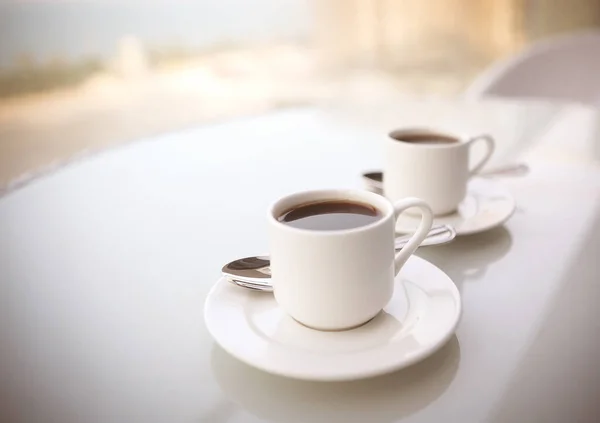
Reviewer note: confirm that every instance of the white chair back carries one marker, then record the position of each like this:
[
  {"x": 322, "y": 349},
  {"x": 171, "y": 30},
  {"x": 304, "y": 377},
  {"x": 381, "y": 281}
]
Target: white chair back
[{"x": 566, "y": 68}]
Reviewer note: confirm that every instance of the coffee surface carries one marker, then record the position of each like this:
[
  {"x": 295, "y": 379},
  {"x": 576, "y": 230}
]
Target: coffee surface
[
  {"x": 424, "y": 138},
  {"x": 331, "y": 215}
]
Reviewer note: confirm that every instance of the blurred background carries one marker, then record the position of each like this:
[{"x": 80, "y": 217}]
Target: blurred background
[{"x": 83, "y": 75}]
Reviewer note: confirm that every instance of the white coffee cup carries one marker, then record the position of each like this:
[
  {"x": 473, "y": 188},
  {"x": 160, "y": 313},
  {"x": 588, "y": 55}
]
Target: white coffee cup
[
  {"x": 430, "y": 165},
  {"x": 339, "y": 279}
]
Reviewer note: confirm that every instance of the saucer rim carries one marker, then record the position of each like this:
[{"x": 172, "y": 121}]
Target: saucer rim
[
  {"x": 462, "y": 232},
  {"x": 349, "y": 375}
]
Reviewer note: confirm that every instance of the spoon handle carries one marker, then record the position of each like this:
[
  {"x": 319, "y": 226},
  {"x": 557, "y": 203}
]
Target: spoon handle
[
  {"x": 256, "y": 286},
  {"x": 516, "y": 169},
  {"x": 438, "y": 234},
  {"x": 251, "y": 285}
]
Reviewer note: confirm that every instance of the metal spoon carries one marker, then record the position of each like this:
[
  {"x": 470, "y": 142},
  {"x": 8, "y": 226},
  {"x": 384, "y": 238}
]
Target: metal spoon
[
  {"x": 374, "y": 179},
  {"x": 255, "y": 273}
]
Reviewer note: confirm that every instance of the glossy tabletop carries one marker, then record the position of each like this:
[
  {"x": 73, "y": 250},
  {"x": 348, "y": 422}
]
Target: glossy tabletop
[{"x": 105, "y": 265}]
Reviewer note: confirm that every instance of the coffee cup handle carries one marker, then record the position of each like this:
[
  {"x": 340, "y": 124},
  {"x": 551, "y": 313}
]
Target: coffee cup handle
[
  {"x": 419, "y": 235},
  {"x": 490, "y": 145}
]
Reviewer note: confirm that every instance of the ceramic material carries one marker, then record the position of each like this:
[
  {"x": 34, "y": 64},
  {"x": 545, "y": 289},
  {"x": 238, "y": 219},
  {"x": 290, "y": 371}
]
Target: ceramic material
[
  {"x": 419, "y": 319},
  {"x": 487, "y": 205},
  {"x": 333, "y": 280},
  {"x": 436, "y": 173},
  {"x": 255, "y": 271}
]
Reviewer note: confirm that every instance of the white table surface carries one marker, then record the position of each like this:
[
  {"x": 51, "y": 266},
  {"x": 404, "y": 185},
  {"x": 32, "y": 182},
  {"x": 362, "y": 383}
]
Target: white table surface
[{"x": 105, "y": 264}]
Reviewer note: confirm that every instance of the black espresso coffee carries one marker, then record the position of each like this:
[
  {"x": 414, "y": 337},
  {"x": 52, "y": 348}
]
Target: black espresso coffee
[
  {"x": 331, "y": 215},
  {"x": 423, "y": 137}
]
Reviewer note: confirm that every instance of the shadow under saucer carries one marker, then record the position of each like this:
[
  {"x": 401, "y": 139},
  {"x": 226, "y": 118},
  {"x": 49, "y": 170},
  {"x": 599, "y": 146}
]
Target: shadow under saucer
[
  {"x": 467, "y": 258},
  {"x": 382, "y": 399}
]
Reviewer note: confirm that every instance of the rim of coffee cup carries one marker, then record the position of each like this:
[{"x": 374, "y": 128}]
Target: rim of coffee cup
[
  {"x": 300, "y": 198},
  {"x": 460, "y": 139}
]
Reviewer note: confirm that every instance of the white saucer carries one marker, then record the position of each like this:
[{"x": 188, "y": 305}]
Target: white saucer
[
  {"x": 486, "y": 206},
  {"x": 251, "y": 326}
]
